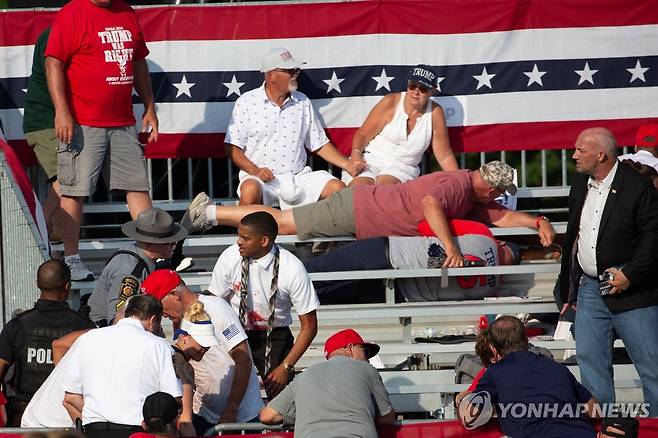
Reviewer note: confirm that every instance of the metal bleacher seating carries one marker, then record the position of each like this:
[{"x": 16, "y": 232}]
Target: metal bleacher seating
[
  {"x": 424, "y": 381},
  {"x": 386, "y": 322},
  {"x": 432, "y": 391}
]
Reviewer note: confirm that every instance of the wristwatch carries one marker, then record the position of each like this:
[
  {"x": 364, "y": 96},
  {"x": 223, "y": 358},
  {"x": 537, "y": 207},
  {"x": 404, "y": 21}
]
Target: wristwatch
[{"x": 288, "y": 367}]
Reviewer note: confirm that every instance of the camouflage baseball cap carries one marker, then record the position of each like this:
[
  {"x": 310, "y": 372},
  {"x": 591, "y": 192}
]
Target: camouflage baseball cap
[{"x": 499, "y": 175}]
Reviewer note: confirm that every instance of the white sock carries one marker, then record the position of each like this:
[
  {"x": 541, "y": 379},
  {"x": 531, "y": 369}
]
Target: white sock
[{"x": 211, "y": 214}]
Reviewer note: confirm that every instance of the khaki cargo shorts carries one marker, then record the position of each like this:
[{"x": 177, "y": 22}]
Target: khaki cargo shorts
[
  {"x": 333, "y": 216},
  {"x": 44, "y": 144},
  {"x": 113, "y": 151}
]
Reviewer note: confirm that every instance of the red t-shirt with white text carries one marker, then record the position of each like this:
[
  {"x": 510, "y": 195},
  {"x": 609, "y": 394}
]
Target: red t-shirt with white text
[{"x": 98, "y": 46}]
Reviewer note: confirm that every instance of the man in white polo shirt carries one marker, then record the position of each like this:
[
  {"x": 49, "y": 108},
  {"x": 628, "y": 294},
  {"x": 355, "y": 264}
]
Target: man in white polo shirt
[
  {"x": 227, "y": 387},
  {"x": 46, "y": 409},
  {"x": 113, "y": 369},
  {"x": 268, "y": 134},
  {"x": 262, "y": 282}
]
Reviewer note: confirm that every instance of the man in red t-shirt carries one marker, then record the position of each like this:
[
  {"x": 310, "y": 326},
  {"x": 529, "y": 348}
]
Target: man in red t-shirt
[
  {"x": 95, "y": 56},
  {"x": 394, "y": 210}
]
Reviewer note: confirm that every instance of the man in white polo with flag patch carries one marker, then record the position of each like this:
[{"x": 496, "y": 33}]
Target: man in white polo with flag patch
[
  {"x": 227, "y": 387},
  {"x": 271, "y": 128}
]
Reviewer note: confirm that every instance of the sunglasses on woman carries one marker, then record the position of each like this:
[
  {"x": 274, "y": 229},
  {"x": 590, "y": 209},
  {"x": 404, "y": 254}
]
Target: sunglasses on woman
[{"x": 415, "y": 86}]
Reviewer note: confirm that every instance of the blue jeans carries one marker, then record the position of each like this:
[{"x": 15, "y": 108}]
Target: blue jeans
[
  {"x": 361, "y": 255},
  {"x": 595, "y": 326}
]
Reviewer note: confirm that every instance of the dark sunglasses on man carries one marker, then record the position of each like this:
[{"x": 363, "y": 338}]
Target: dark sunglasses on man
[{"x": 290, "y": 71}]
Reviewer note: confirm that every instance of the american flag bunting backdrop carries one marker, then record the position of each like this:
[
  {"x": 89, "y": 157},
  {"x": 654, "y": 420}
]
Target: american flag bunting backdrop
[{"x": 514, "y": 74}]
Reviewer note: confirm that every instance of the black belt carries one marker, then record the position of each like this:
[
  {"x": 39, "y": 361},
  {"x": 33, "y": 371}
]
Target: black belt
[
  {"x": 106, "y": 425},
  {"x": 261, "y": 335},
  {"x": 387, "y": 252}
]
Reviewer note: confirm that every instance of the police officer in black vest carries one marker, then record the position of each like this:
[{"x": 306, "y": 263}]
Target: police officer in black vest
[
  {"x": 25, "y": 341},
  {"x": 156, "y": 236}
]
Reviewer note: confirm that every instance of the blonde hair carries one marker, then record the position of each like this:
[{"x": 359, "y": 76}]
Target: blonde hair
[{"x": 196, "y": 313}]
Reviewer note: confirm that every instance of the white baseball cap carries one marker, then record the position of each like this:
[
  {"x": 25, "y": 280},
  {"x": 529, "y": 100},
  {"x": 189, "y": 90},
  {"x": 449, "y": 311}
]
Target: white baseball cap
[
  {"x": 203, "y": 332},
  {"x": 279, "y": 58}
]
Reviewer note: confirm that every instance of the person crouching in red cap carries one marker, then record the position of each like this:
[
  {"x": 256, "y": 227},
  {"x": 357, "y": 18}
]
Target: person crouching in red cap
[
  {"x": 344, "y": 396},
  {"x": 229, "y": 391}
]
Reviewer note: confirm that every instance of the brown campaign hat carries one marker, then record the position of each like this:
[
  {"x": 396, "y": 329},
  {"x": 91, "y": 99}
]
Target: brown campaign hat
[{"x": 154, "y": 225}]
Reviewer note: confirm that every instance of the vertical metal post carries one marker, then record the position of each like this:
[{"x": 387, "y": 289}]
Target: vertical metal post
[
  {"x": 389, "y": 285},
  {"x": 543, "y": 167},
  {"x": 503, "y": 156},
  {"x": 190, "y": 185},
  {"x": 149, "y": 168},
  {"x": 4, "y": 293},
  {"x": 524, "y": 170},
  {"x": 483, "y": 158},
  {"x": 211, "y": 189},
  {"x": 462, "y": 160},
  {"x": 564, "y": 167},
  {"x": 405, "y": 321},
  {"x": 229, "y": 164},
  {"x": 170, "y": 180}
]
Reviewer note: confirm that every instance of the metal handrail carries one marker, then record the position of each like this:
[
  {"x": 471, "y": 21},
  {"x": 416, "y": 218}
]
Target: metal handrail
[
  {"x": 26, "y": 430},
  {"x": 245, "y": 427}
]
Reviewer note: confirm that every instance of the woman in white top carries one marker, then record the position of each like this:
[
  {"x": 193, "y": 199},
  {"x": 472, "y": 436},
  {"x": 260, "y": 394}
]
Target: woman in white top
[
  {"x": 193, "y": 339},
  {"x": 397, "y": 132}
]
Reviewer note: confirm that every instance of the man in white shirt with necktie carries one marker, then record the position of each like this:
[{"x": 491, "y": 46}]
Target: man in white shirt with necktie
[{"x": 262, "y": 282}]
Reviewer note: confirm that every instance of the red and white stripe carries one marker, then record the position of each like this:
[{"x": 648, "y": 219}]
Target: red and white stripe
[{"x": 438, "y": 32}]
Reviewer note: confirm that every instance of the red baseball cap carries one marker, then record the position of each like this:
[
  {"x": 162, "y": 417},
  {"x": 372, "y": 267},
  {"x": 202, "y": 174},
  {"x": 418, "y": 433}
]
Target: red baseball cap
[
  {"x": 647, "y": 135},
  {"x": 160, "y": 283},
  {"x": 346, "y": 337}
]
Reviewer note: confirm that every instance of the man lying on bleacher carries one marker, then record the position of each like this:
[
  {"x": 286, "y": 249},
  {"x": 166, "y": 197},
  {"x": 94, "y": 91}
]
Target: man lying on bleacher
[
  {"x": 396, "y": 210},
  {"x": 473, "y": 239}
]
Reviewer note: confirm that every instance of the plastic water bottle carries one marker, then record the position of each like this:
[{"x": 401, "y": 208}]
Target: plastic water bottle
[{"x": 425, "y": 332}]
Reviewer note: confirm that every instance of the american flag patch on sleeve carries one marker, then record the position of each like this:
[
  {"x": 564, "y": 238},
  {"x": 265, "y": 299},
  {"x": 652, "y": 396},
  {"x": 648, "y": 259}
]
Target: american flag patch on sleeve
[{"x": 231, "y": 331}]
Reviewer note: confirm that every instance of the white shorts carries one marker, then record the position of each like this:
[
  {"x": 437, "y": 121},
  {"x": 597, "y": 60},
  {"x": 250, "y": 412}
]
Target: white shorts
[
  {"x": 379, "y": 165},
  {"x": 309, "y": 183}
]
